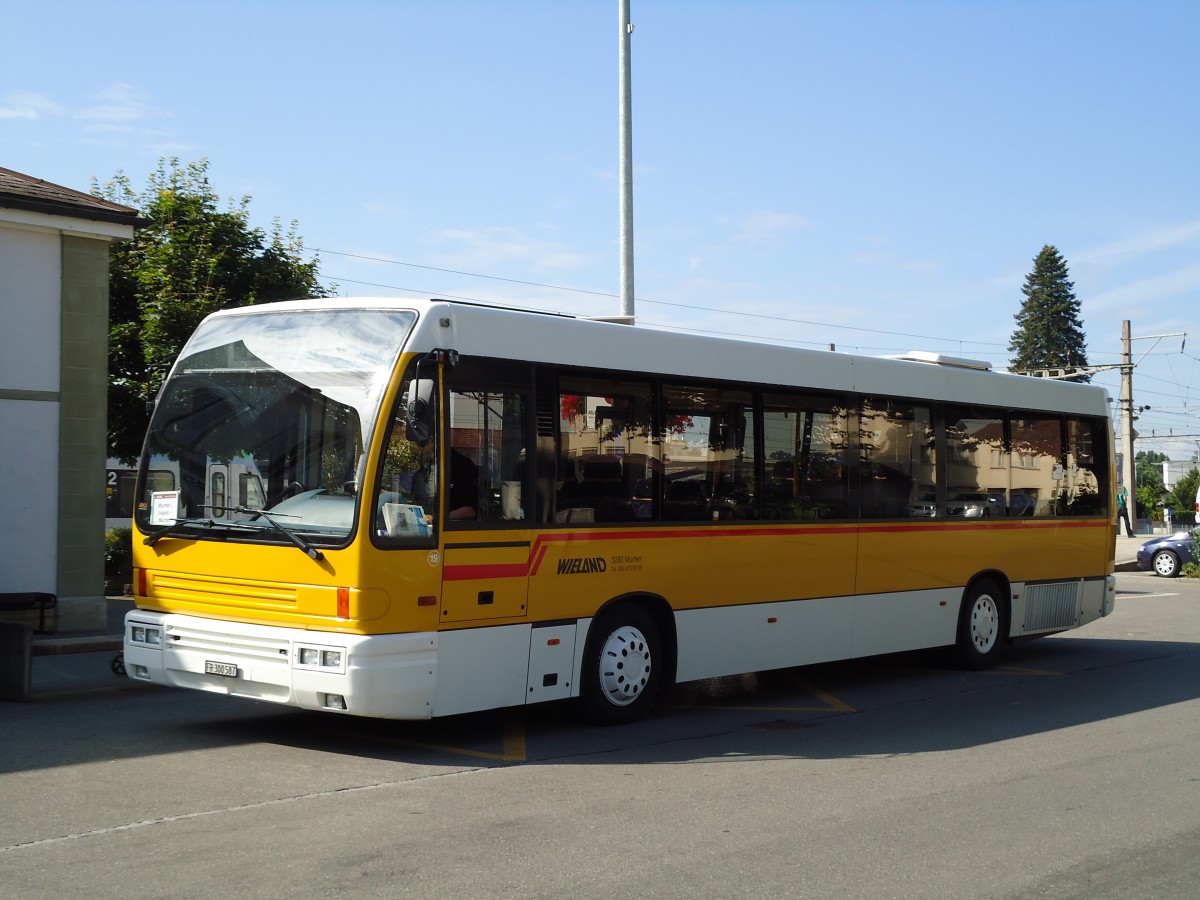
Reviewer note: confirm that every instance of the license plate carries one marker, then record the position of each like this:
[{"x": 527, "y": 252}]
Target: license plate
[{"x": 220, "y": 668}]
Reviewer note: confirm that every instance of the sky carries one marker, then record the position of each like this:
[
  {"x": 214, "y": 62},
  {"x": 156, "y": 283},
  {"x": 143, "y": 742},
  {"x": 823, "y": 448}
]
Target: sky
[{"x": 878, "y": 176}]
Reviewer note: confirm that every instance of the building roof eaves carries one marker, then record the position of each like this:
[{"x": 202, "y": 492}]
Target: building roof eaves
[{"x": 23, "y": 192}]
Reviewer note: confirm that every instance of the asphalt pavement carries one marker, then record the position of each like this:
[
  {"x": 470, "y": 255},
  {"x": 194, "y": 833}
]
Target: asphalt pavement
[{"x": 1068, "y": 771}]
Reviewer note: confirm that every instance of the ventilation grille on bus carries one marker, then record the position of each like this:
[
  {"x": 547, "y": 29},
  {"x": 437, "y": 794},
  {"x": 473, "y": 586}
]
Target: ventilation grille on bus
[
  {"x": 1049, "y": 606},
  {"x": 547, "y": 406},
  {"x": 242, "y": 647}
]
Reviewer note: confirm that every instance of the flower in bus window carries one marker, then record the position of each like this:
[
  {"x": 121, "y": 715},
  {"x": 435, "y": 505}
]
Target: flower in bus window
[{"x": 570, "y": 406}]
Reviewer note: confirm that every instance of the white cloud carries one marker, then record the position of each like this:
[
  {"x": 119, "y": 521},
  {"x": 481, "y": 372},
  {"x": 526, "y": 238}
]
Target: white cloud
[
  {"x": 117, "y": 108},
  {"x": 28, "y": 106},
  {"x": 763, "y": 225},
  {"x": 481, "y": 250},
  {"x": 1138, "y": 245},
  {"x": 382, "y": 208},
  {"x": 117, "y": 103},
  {"x": 1145, "y": 291}
]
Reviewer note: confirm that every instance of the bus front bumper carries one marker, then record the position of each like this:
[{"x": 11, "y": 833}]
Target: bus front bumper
[{"x": 390, "y": 676}]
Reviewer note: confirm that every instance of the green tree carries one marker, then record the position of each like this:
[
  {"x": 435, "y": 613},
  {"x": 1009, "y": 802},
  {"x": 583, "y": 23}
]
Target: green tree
[
  {"x": 188, "y": 258},
  {"x": 1183, "y": 498},
  {"x": 1049, "y": 332},
  {"x": 1148, "y": 471}
]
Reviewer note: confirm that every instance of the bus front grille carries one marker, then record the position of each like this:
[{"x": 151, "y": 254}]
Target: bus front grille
[
  {"x": 222, "y": 591},
  {"x": 188, "y": 637}
]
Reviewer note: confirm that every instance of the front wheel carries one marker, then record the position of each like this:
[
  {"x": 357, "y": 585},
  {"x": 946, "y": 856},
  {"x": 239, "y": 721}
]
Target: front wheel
[
  {"x": 622, "y": 667},
  {"x": 1166, "y": 564},
  {"x": 982, "y": 625}
]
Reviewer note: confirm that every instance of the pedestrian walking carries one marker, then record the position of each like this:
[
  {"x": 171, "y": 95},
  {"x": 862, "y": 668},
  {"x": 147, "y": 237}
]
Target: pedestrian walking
[{"x": 1123, "y": 510}]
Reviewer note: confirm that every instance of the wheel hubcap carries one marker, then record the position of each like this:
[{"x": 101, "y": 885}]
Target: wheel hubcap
[
  {"x": 625, "y": 665},
  {"x": 985, "y": 622}
]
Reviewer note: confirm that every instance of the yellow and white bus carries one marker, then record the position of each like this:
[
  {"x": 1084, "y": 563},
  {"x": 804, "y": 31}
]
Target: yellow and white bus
[{"x": 461, "y": 507}]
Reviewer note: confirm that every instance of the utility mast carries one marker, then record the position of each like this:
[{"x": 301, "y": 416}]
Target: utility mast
[
  {"x": 626, "y": 138},
  {"x": 1127, "y": 467}
]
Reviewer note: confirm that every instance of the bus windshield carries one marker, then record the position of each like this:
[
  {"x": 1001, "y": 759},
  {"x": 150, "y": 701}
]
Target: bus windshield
[{"x": 269, "y": 411}]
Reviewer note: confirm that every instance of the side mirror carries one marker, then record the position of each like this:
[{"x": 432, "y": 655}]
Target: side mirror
[{"x": 418, "y": 410}]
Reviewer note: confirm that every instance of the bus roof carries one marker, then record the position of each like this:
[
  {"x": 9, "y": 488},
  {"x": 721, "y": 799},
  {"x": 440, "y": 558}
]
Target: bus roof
[{"x": 475, "y": 329}]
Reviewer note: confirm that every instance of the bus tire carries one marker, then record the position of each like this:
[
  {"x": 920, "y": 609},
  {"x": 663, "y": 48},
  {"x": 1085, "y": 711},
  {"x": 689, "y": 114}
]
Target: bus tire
[
  {"x": 982, "y": 625},
  {"x": 622, "y": 666}
]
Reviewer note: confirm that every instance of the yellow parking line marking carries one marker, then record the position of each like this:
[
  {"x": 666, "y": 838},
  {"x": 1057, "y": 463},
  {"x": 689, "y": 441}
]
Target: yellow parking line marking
[
  {"x": 513, "y": 743},
  {"x": 514, "y": 739},
  {"x": 833, "y": 704}
]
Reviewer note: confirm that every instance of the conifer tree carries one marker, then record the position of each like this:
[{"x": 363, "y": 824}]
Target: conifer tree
[{"x": 1049, "y": 332}]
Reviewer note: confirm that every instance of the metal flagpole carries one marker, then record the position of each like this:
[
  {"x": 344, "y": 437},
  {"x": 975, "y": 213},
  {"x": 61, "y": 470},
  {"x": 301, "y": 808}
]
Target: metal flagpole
[{"x": 626, "y": 138}]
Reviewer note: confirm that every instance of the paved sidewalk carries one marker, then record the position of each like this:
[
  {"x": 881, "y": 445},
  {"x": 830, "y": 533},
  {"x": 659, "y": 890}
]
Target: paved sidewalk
[
  {"x": 1125, "y": 556},
  {"x": 107, "y": 638}
]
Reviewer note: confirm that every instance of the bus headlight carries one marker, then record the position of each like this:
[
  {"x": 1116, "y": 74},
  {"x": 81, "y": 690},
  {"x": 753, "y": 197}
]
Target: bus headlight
[
  {"x": 145, "y": 634},
  {"x": 325, "y": 659}
]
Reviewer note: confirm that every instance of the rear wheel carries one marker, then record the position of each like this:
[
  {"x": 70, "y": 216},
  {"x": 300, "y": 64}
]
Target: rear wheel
[
  {"x": 1166, "y": 564},
  {"x": 982, "y": 625},
  {"x": 622, "y": 667}
]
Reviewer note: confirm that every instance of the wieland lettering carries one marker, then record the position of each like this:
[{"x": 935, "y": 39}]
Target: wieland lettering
[{"x": 582, "y": 565}]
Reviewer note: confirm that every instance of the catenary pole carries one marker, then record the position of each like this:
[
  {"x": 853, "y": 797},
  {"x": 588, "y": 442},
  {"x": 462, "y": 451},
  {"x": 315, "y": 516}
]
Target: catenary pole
[{"x": 1127, "y": 466}]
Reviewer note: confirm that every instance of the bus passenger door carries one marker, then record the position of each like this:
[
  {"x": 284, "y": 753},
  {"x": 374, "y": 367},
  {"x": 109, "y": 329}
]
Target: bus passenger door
[{"x": 485, "y": 568}]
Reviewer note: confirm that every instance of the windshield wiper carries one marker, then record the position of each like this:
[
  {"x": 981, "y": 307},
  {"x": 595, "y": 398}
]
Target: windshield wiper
[
  {"x": 309, "y": 550},
  {"x": 177, "y": 529}
]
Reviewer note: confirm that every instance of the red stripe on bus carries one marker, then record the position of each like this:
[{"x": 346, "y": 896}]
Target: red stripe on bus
[
  {"x": 543, "y": 541},
  {"x": 979, "y": 525},
  {"x": 471, "y": 573},
  {"x": 542, "y": 544}
]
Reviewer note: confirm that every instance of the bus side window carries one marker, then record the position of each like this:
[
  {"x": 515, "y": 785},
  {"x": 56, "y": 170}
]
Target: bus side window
[
  {"x": 610, "y": 465},
  {"x": 896, "y": 468},
  {"x": 708, "y": 474},
  {"x": 978, "y": 482},
  {"x": 1038, "y": 486},
  {"x": 804, "y": 447},
  {"x": 1087, "y": 479}
]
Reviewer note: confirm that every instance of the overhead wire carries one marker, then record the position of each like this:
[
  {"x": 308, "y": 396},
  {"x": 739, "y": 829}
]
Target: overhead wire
[
  {"x": 978, "y": 347},
  {"x": 609, "y": 295}
]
